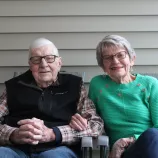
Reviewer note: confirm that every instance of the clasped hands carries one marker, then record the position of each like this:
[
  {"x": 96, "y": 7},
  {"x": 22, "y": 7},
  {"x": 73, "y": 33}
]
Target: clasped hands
[{"x": 32, "y": 131}]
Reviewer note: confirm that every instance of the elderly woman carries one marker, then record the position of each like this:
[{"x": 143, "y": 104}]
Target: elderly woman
[{"x": 127, "y": 102}]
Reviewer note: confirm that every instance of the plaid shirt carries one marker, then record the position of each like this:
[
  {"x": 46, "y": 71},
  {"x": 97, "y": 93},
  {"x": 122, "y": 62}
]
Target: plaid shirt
[{"x": 85, "y": 108}]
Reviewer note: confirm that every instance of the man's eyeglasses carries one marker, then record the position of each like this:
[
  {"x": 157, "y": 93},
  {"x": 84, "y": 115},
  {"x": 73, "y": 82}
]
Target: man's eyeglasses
[
  {"x": 38, "y": 59},
  {"x": 120, "y": 55}
]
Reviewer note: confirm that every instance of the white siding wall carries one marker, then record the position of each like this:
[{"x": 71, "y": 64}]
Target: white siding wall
[{"x": 76, "y": 26}]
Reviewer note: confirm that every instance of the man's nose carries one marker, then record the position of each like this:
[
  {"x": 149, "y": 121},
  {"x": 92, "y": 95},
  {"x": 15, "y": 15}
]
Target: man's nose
[{"x": 43, "y": 62}]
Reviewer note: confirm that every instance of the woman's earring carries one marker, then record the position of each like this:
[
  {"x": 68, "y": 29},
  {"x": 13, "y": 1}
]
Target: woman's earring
[{"x": 131, "y": 69}]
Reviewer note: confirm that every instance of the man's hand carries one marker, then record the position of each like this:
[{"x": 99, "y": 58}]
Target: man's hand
[
  {"x": 78, "y": 122},
  {"x": 119, "y": 147},
  {"x": 32, "y": 131}
]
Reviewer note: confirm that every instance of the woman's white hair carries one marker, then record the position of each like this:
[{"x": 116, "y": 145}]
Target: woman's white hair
[
  {"x": 42, "y": 42},
  {"x": 113, "y": 40}
]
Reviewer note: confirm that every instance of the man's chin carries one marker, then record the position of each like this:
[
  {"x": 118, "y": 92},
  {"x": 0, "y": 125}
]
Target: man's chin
[
  {"x": 44, "y": 73},
  {"x": 45, "y": 78}
]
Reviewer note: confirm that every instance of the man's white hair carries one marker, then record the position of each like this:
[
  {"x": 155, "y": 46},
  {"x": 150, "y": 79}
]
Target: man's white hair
[{"x": 42, "y": 42}]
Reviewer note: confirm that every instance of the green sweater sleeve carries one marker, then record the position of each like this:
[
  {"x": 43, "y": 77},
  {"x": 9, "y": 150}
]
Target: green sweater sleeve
[
  {"x": 136, "y": 136},
  {"x": 153, "y": 102},
  {"x": 91, "y": 93}
]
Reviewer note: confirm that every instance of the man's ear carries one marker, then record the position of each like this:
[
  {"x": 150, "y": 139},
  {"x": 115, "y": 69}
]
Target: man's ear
[
  {"x": 30, "y": 65},
  {"x": 60, "y": 61}
]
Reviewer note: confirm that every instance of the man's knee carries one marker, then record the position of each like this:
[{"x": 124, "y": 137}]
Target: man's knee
[
  {"x": 6, "y": 152},
  {"x": 58, "y": 152},
  {"x": 11, "y": 152}
]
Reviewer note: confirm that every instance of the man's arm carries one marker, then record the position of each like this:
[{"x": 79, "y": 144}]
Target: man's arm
[
  {"x": 87, "y": 110},
  {"x": 5, "y": 130}
]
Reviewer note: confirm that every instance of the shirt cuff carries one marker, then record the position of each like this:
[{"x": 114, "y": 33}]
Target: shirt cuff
[
  {"x": 6, "y": 137},
  {"x": 58, "y": 137}
]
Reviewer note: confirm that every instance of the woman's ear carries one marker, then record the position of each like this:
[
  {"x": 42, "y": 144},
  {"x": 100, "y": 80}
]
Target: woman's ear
[{"x": 133, "y": 60}]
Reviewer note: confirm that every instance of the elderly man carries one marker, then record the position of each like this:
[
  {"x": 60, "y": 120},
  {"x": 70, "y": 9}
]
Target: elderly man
[{"x": 42, "y": 110}]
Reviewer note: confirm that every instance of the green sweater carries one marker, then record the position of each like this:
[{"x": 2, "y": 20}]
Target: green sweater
[{"x": 127, "y": 109}]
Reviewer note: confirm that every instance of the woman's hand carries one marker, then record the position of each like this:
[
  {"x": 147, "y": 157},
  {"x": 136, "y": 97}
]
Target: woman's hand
[
  {"x": 119, "y": 147},
  {"x": 78, "y": 122}
]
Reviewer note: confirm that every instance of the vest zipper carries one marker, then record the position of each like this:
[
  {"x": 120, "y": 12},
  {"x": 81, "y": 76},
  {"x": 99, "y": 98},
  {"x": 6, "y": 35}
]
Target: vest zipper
[
  {"x": 42, "y": 95},
  {"x": 31, "y": 86}
]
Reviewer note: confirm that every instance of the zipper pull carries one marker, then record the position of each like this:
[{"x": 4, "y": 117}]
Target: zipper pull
[
  {"x": 52, "y": 93},
  {"x": 42, "y": 96}
]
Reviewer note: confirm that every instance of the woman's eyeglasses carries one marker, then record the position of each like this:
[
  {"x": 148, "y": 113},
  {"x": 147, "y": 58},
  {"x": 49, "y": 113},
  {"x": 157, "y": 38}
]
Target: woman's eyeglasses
[{"x": 120, "y": 55}]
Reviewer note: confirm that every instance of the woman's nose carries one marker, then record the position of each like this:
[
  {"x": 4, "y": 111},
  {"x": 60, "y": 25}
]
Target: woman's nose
[{"x": 115, "y": 59}]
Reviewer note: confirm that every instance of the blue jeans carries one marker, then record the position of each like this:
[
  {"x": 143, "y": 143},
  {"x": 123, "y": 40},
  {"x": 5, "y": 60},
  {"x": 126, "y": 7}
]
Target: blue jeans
[
  {"x": 59, "y": 152},
  {"x": 145, "y": 147}
]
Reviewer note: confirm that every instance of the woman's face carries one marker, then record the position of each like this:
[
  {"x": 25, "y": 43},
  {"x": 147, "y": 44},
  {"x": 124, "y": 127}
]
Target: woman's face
[{"x": 116, "y": 63}]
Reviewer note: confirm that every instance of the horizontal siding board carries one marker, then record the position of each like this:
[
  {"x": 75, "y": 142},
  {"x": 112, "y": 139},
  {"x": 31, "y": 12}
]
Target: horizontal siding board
[
  {"x": 2, "y": 87},
  {"x": 8, "y": 72},
  {"x": 86, "y": 7},
  {"x": 78, "y": 24},
  {"x": 90, "y": 71},
  {"x": 76, "y": 40},
  {"x": 75, "y": 57}
]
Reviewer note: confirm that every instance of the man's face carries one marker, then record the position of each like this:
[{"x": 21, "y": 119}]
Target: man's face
[{"x": 45, "y": 72}]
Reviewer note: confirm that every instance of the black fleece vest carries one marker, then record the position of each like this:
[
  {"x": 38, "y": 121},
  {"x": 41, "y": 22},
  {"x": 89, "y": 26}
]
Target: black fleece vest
[{"x": 54, "y": 105}]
